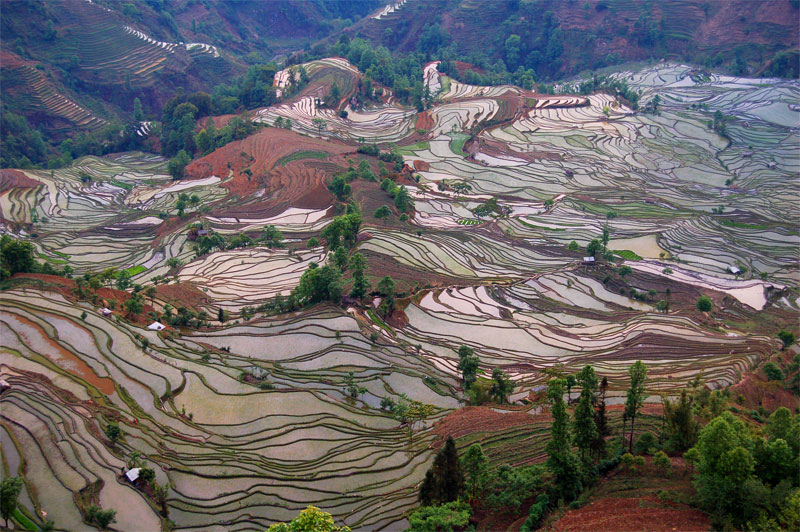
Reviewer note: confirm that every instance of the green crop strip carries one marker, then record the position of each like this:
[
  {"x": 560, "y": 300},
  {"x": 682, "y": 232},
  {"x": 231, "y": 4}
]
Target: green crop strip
[{"x": 299, "y": 155}]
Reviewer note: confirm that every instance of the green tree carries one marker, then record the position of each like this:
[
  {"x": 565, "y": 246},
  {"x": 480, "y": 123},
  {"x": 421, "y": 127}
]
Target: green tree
[
  {"x": 138, "y": 115},
  {"x": 662, "y": 463},
  {"x": 161, "y": 493},
  {"x": 402, "y": 200},
  {"x": 601, "y": 422},
  {"x": 704, "y": 304},
  {"x": 320, "y": 124},
  {"x": 100, "y": 517},
  {"x": 360, "y": 284},
  {"x": 773, "y": 372},
  {"x": 312, "y": 518},
  {"x": 605, "y": 237},
  {"x": 16, "y": 256},
  {"x": 319, "y": 284},
  {"x": 353, "y": 389},
  {"x": 386, "y": 289},
  {"x": 681, "y": 427},
  {"x": 340, "y": 187},
  {"x": 468, "y": 364},
  {"x": 787, "y": 338},
  {"x": 341, "y": 258},
  {"x": 134, "y": 304},
  {"x": 511, "y": 486},
  {"x": 583, "y": 425},
  {"x": 177, "y": 165},
  {"x": 447, "y": 470},
  {"x": 113, "y": 432},
  {"x": 725, "y": 467},
  {"x": 501, "y": 386},
  {"x": 570, "y": 382},
  {"x": 382, "y": 212},
  {"x": 561, "y": 461},
  {"x": 445, "y": 518},
  {"x": 313, "y": 242},
  {"x": 476, "y": 470},
  {"x": 594, "y": 247},
  {"x": 635, "y": 396},
  {"x": 10, "y": 489}
]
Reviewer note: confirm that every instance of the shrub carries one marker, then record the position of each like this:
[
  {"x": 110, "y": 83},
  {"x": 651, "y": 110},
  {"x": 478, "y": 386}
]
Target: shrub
[
  {"x": 773, "y": 372},
  {"x": 536, "y": 513},
  {"x": 704, "y": 304},
  {"x": 645, "y": 444},
  {"x": 787, "y": 338},
  {"x": 631, "y": 462},
  {"x": 662, "y": 463}
]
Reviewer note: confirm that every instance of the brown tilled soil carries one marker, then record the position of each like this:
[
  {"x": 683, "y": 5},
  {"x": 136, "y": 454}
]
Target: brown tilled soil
[
  {"x": 15, "y": 179},
  {"x": 645, "y": 500},
  {"x": 254, "y": 164}
]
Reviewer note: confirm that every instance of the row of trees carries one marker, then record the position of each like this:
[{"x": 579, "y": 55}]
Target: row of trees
[{"x": 18, "y": 256}]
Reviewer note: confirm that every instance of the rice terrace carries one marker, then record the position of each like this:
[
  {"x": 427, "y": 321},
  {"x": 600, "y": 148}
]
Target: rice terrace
[{"x": 328, "y": 265}]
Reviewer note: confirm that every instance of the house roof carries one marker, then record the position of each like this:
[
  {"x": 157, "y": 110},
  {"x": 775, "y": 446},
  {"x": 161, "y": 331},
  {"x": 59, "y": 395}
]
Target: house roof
[
  {"x": 133, "y": 474},
  {"x": 156, "y": 326},
  {"x": 588, "y": 259}
]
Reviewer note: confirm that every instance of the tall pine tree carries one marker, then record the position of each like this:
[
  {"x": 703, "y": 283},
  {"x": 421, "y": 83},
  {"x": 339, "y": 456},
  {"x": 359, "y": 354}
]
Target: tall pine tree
[
  {"x": 584, "y": 425},
  {"x": 444, "y": 481},
  {"x": 636, "y": 396},
  {"x": 601, "y": 422},
  {"x": 561, "y": 461}
]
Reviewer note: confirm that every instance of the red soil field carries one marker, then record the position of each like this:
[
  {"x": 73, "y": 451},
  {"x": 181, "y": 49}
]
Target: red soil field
[
  {"x": 15, "y": 179},
  {"x": 300, "y": 183},
  {"x": 424, "y": 121}
]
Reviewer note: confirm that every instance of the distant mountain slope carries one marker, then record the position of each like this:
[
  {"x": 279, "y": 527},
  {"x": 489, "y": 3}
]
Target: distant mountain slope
[
  {"x": 561, "y": 37},
  {"x": 71, "y": 65}
]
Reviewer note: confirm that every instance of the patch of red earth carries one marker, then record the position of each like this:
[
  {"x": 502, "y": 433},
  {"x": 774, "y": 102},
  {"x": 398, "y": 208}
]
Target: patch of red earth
[
  {"x": 76, "y": 366},
  {"x": 463, "y": 67},
  {"x": 471, "y": 419},
  {"x": 424, "y": 121},
  {"x": 183, "y": 295},
  {"x": 220, "y": 121},
  {"x": 421, "y": 166},
  {"x": 647, "y": 513},
  {"x": 758, "y": 391},
  {"x": 259, "y": 154},
  {"x": 11, "y": 60},
  {"x": 10, "y": 178}
]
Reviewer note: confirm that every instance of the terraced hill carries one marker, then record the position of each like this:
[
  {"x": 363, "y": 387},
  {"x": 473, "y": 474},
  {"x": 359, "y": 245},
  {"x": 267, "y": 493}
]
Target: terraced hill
[
  {"x": 250, "y": 412},
  {"x": 27, "y": 89},
  {"x": 102, "y": 58}
]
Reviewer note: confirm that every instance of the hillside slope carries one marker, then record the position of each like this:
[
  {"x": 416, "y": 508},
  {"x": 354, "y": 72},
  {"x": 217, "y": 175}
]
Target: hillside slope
[{"x": 559, "y": 38}]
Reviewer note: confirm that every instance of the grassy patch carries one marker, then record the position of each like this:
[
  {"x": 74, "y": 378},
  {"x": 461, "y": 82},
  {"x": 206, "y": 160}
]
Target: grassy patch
[
  {"x": 457, "y": 144},
  {"x": 741, "y": 225},
  {"x": 445, "y": 81},
  {"x": 379, "y": 322},
  {"x": 120, "y": 184},
  {"x": 540, "y": 227},
  {"x": 26, "y": 523},
  {"x": 468, "y": 221},
  {"x": 627, "y": 254},
  {"x": 304, "y": 154},
  {"x": 413, "y": 148},
  {"x": 135, "y": 270}
]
